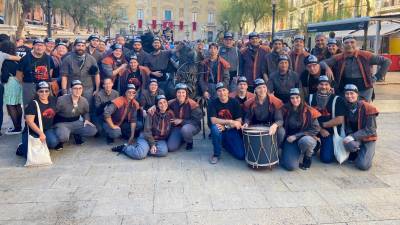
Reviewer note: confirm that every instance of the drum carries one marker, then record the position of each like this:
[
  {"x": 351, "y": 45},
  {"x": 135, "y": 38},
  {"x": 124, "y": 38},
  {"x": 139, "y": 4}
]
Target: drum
[{"x": 261, "y": 148}]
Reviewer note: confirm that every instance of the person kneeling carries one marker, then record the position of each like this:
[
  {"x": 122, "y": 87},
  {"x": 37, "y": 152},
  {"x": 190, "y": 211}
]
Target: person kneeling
[
  {"x": 187, "y": 120},
  {"x": 120, "y": 116},
  {"x": 302, "y": 128},
  {"x": 226, "y": 119},
  {"x": 153, "y": 140},
  {"x": 47, "y": 106},
  {"x": 360, "y": 129}
]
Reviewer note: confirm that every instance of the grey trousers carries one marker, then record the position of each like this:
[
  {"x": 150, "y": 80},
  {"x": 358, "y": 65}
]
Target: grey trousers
[
  {"x": 125, "y": 130},
  {"x": 65, "y": 129},
  {"x": 181, "y": 134},
  {"x": 365, "y": 155},
  {"x": 306, "y": 145},
  {"x": 141, "y": 149},
  {"x": 292, "y": 153}
]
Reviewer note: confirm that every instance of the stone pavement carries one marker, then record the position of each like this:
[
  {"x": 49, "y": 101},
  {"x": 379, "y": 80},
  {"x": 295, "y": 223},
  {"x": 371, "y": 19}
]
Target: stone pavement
[{"x": 90, "y": 184}]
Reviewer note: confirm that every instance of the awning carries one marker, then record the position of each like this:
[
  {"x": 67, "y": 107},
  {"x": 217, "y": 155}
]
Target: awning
[
  {"x": 346, "y": 24},
  {"x": 342, "y": 33},
  {"x": 386, "y": 28},
  {"x": 287, "y": 33}
]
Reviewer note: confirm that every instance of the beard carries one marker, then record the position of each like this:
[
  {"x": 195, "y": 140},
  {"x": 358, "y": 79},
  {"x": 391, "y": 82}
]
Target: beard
[{"x": 79, "y": 51}]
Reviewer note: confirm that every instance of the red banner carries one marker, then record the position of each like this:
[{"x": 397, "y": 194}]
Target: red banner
[
  {"x": 194, "y": 26},
  {"x": 180, "y": 25},
  {"x": 169, "y": 24},
  {"x": 140, "y": 24},
  {"x": 153, "y": 24}
]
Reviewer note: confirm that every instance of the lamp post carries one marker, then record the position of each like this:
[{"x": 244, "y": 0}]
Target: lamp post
[
  {"x": 225, "y": 26},
  {"x": 273, "y": 18},
  {"x": 49, "y": 18}
]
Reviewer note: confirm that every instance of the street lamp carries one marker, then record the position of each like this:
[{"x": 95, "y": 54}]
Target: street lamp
[
  {"x": 49, "y": 18},
  {"x": 225, "y": 26},
  {"x": 273, "y": 18}
]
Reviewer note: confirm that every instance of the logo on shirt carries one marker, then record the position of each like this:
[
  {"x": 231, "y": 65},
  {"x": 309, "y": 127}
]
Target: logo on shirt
[
  {"x": 49, "y": 113},
  {"x": 225, "y": 114},
  {"x": 41, "y": 73}
]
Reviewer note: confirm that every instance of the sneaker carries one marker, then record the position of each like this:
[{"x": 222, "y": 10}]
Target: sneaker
[
  {"x": 306, "y": 163},
  {"x": 109, "y": 140},
  {"x": 12, "y": 131},
  {"x": 19, "y": 150},
  {"x": 214, "y": 159},
  {"x": 78, "y": 139},
  {"x": 59, "y": 147},
  {"x": 118, "y": 148},
  {"x": 189, "y": 146}
]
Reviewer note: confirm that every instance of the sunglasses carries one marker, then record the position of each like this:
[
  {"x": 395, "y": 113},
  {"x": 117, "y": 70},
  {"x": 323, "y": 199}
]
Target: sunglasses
[{"x": 43, "y": 91}]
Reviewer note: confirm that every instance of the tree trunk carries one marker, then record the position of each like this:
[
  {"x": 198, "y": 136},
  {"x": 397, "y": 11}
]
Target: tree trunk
[
  {"x": 368, "y": 7},
  {"x": 255, "y": 25},
  {"x": 21, "y": 24}
]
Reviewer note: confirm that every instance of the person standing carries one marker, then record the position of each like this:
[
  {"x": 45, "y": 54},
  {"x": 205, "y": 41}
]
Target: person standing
[
  {"x": 298, "y": 54},
  {"x": 94, "y": 41},
  {"x": 231, "y": 54},
  {"x": 320, "y": 50}
]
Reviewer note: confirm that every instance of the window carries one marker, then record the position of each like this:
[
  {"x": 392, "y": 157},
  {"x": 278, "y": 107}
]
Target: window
[
  {"x": 194, "y": 16},
  {"x": 181, "y": 14},
  {"x": 140, "y": 14},
  {"x": 210, "y": 17},
  {"x": 122, "y": 13},
  {"x": 291, "y": 21},
  {"x": 154, "y": 12},
  {"x": 168, "y": 15}
]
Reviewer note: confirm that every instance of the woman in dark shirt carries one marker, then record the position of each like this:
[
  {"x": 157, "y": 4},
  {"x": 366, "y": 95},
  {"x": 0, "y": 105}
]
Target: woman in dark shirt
[
  {"x": 12, "y": 88},
  {"x": 47, "y": 106},
  {"x": 302, "y": 127}
]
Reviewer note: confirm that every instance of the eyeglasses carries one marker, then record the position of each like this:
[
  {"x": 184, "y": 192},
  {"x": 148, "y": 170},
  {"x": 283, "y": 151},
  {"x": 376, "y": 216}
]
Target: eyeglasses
[
  {"x": 77, "y": 88},
  {"x": 43, "y": 91},
  {"x": 131, "y": 92}
]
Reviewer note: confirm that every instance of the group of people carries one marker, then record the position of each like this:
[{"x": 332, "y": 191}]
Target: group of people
[{"x": 90, "y": 89}]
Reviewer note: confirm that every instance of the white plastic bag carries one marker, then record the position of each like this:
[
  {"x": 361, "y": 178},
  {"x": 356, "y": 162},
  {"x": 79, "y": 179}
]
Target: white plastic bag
[
  {"x": 38, "y": 153},
  {"x": 339, "y": 150}
]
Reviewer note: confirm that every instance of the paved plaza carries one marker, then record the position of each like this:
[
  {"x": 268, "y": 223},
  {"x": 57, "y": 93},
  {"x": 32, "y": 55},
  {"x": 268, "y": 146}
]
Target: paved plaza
[{"x": 90, "y": 184}]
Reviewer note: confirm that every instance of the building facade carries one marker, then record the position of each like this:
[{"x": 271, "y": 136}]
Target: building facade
[{"x": 182, "y": 19}]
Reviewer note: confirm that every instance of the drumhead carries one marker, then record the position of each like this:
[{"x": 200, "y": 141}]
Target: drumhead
[{"x": 256, "y": 130}]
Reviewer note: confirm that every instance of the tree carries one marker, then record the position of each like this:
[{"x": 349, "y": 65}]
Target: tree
[
  {"x": 26, "y": 6},
  {"x": 257, "y": 10},
  {"x": 235, "y": 14}
]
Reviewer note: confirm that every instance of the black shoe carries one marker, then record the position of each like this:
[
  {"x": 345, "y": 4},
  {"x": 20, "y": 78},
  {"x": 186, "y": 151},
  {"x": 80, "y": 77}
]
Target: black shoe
[
  {"x": 118, "y": 148},
  {"x": 109, "y": 140},
  {"x": 78, "y": 139},
  {"x": 189, "y": 146},
  {"x": 97, "y": 135},
  {"x": 59, "y": 147},
  {"x": 306, "y": 163},
  {"x": 19, "y": 150}
]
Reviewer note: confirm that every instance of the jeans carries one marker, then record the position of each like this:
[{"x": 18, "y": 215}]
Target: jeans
[
  {"x": 327, "y": 154},
  {"x": 292, "y": 152},
  {"x": 365, "y": 155},
  {"x": 64, "y": 129},
  {"x": 181, "y": 134},
  {"x": 51, "y": 140},
  {"x": 230, "y": 139},
  {"x": 141, "y": 149},
  {"x": 1, "y": 105}
]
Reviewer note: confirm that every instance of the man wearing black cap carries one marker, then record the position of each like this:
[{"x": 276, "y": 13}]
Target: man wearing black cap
[
  {"x": 323, "y": 101},
  {"x": 94, "y": 40},
  {"x": 231, "y": 54},
  {"x": 360, "y": 128},
  {"x": 101, "y": 100},
  {"x": 79, "y": 65},
  {"x": 158, "y": 63},
  {"x": 121, "y": 116},
  {"x": 148, "y": 96},
  {"x": 320, "y": 50},
  {"x": 50, "y": 44},
  {"x": 36, "y": 66},
  {"x": 272, "y": 58},
  {"x": 310, "y": 77},
  {"x": 226, "y": 119},
  {"x": 215, "y": 69},
  {"x": 354, "y": 66},
  {"x": 265, "y": 110},
  {"x": 252, "y": 60},
  {"x": 70, "y": 108},
  {"x": 333, "y": 48},
  {"x": 187, "y": 119},
  {"x": 47, "y": 107},
  {"x": 142, "y": 56},
  {"x": 241, "y": 94},
  {"x": 284, "y": 79},
  {"x": 298, "y": 54}
]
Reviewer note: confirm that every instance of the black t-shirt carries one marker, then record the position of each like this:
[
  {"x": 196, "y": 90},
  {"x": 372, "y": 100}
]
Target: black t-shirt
[
  {"x": 227, "y": 111},
  {"x": 48, "y": 112},
  {"x": 23, "y": 50},
  {"x": 36, "y": 69},
  {"x": 326, "y": 114},
  {"x": 310, "y": 81}
]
